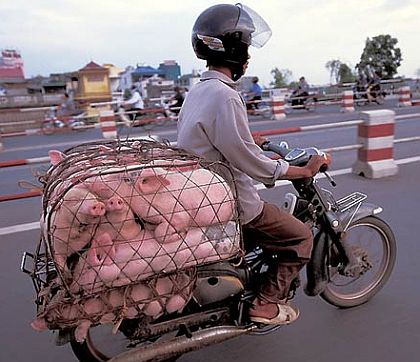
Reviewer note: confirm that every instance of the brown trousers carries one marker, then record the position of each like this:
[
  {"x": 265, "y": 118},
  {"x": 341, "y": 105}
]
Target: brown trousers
[{"x": 285, "y": 235}]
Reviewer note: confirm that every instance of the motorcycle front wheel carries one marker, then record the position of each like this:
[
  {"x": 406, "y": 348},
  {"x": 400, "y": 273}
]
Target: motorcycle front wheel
[
  {"x": 373, "y": 244},
  {"x": 102, "y": 344}
]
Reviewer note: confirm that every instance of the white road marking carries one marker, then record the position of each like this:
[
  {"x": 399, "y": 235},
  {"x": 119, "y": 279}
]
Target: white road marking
[{"x": 19, "y": 228}]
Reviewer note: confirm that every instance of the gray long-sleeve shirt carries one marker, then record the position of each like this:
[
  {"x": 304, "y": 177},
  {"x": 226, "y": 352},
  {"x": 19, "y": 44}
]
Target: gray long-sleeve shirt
[{"x": 213, "y": 124}]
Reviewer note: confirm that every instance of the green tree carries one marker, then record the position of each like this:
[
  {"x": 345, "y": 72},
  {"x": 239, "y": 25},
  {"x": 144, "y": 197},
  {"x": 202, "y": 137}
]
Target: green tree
[
  {"x": 333, "y": 66},
  {"x": 281, "y": 77},
  {"x": 345, "y": 74},
  {"x": 339, "y": 72},
  {"x": 380, "y": 55}
]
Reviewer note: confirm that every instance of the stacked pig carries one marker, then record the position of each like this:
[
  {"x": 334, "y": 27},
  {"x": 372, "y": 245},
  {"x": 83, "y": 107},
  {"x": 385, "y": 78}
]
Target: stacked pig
[{"x": 126, "y": 224}]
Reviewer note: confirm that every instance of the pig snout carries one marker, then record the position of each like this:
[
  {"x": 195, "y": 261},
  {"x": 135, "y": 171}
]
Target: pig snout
[
  {"x": 115, "y": 203},
  {"x": 94, "y": 208}
]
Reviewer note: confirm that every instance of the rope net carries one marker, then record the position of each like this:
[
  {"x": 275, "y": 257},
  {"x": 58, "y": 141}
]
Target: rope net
[{"x": 126, "y": 224}]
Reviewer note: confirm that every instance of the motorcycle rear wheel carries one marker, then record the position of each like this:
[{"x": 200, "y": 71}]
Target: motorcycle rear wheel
[
  {"x": 310, "y": 104},
  {"x": 364, "y": 236},
  {"x": 101, "y": 345},
  {"x": 380, "y": 99}
]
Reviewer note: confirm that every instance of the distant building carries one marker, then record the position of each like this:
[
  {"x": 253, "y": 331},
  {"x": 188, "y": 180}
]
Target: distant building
[
  {"x": 188, "y": 80},
  {"x": 11, "y": 66},
  {"x": 126, "y": 78},
  {"x": 93, "y": 84},
  {"x": 114, "y": 79},
  {"x": 170, "y": 70},
  {"x": 12, "y": 78},
  {"x": 142, "y": 72}
]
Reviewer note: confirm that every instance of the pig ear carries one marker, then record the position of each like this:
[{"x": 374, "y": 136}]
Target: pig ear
[
  {"x": 151, "y": 183},
  {"x": 104, "y": 148},
  {"x": 56, "y": 157}
]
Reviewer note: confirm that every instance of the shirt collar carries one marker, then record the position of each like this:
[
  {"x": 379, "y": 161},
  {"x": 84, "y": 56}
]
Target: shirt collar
[{"x": 214, "y": 74}]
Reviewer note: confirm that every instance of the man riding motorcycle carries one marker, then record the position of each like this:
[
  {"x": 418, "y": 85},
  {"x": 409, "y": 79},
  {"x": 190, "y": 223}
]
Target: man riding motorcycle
[
  {"x": 301, "y": 93},
  {"x": 213, "y": 124}
]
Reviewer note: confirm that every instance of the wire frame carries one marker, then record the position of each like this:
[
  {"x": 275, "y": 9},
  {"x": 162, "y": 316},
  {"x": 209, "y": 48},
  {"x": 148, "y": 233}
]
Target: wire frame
[{"x": 126, "y": 224}]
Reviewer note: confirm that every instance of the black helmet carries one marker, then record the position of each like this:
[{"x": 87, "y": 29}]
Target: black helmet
[{"x": 222, "y": 34}]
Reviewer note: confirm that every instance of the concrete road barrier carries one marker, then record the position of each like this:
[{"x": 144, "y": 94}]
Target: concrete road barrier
[{"x": 376, "y": 135}]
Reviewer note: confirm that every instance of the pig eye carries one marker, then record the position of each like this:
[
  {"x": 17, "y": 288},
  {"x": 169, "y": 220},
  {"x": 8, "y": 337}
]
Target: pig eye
[{"x": 128, "y": 180}]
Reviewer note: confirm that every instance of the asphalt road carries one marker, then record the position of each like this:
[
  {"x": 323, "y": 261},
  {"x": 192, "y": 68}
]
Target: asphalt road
[{"x": 385, "y": 329}]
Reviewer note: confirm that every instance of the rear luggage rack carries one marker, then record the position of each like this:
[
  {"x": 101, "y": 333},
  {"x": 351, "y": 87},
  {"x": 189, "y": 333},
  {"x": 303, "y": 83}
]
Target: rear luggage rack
[{"x": 349, "y": 201}]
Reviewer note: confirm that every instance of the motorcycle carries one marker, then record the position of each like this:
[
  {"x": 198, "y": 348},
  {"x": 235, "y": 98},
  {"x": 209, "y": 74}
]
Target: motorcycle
[
  {"x": 360, "y": 94},
  {"x": 304, "y": 101},
  {"x": 52, "y": 123},
  {"x": 148, "y": 118},
  {"x": 353, "y": 256}
]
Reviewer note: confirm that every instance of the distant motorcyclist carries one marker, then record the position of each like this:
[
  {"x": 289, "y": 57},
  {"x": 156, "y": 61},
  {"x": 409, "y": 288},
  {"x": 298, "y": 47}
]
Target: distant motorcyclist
[
  {"x": 68, "y": 108},
  {"x": 255, "y": 94},
  {"x": 373, "y": 87},
  {"x": 300, "y": 93},
  {"x": 135, "y": 103},
  {"x": 177, "y": 100}
]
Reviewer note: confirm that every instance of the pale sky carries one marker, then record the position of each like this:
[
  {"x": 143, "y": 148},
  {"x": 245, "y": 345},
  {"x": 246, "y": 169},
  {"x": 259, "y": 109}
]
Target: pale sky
[{"x": 63, "y": 35}]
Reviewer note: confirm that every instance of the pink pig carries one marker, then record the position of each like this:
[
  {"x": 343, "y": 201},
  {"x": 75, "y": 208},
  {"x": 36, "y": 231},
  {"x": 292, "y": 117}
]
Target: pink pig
[
  {"x": 73, "y": 223},
  {"x": 178, "y": 200},
  {"x": 119, "y": 221},
  {"x": 74, "y": 313},
  {"x": 96, "y": 268}
]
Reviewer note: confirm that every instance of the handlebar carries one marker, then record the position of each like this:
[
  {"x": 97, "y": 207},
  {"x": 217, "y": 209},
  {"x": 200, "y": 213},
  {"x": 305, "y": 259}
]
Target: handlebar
[
  {"x": 279, "y": 149},
  {"x": 295, "y": 156}
]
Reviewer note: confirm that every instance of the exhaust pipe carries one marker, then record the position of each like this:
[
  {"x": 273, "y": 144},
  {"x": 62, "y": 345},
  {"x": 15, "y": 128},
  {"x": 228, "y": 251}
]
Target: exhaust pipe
[{"x": 180, "y": 345}]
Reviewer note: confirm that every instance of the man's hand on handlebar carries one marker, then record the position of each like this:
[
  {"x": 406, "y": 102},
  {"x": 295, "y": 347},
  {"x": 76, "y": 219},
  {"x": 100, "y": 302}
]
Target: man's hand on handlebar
[
  {"x": 314, "y": 165},
  {"x": 259, "y": 140},
  {"x": 319, "y": 163}
]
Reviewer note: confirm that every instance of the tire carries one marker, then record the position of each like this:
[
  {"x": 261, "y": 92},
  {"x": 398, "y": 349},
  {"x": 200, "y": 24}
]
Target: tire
[
  {"x": 101, "y": 345},
  {"x": 380, "y": 99},
  {"x": 370, "y": 229},
  {"x": 48, "y": 130},
  {"x": 310, "y": 104}
]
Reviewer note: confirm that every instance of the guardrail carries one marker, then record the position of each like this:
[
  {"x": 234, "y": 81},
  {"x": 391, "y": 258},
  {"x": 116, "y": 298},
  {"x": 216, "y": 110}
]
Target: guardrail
[
  {"x": 375, "y": 147},
  {"x": 275, "y": 108}
]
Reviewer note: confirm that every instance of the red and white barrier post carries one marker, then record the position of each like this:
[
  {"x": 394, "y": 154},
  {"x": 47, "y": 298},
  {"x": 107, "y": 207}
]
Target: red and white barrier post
[
  {"x": 108, "y": 124},
  {"x": 376, "y": 134},
  {"x": 405, "y": 97},
  {"x": 347, "y": 104},
  {"x": 277, "y": 106}
]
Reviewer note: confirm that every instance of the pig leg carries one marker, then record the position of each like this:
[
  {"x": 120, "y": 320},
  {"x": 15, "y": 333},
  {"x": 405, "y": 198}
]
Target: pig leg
[
  {"x": 81, "y": 331},
  {"x": 175, "y": 304},
  {"x": 202, "y": 252},
  {"x": 174, "y": 228},
  {"x": 161, "y": 291},
  {"x": 133, "y": 269},
  {"x": 140, "y": 294},
  {"x": 153, "y": 309},
  {"x": 39, "y": 324}
]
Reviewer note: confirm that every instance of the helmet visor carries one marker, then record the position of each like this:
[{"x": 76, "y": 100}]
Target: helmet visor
[{"x": 252, "y": 23}]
